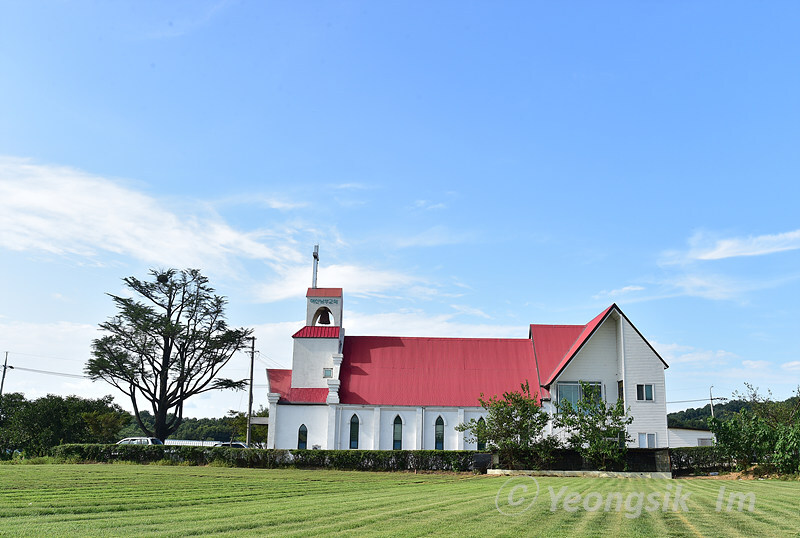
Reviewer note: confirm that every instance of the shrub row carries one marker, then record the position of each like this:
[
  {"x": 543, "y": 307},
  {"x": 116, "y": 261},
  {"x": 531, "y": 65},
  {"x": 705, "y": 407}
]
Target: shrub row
[
  {"x": 361, "y": 460},
  {"x": 694, "y": 459}
]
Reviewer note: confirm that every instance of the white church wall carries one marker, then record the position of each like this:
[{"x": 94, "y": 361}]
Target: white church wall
[
  {"x": 469, "y": 414},
  {"x": 643, "y": 367},
  {"x": 290, "y": 417},
  {"x": 310, "y": 356},
  {"x": 366, "y": 417},
  {"x": 409, "y": 417}
]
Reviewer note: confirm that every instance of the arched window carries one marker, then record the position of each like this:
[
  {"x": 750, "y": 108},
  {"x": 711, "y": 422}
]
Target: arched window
[
  {"x": 481, "y": 439},
  {"x": 398, "y": 433},
  {"x": 439, "y": 433},
  {"x": 354, "y": 431},
  {"x": 302, "y": 437}
]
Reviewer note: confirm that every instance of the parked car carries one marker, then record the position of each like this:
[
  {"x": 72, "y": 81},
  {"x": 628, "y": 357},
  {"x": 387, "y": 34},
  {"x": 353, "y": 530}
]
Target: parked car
[
  {"x": 140, "y": 441},
  {"x": 234, "y": 444}
]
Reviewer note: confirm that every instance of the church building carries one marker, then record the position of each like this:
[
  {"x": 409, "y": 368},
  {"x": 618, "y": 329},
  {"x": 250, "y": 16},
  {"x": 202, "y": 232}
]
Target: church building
[{"x": 409, "y": 393}]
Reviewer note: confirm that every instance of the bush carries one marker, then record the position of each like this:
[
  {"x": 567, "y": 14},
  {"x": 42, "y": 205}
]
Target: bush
[
  {"x": 698, "y": 459},
  {"x": 359, "y": 460}
]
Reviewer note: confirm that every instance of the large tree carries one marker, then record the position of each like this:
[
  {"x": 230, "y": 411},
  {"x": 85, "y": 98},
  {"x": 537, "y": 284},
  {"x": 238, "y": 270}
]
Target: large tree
[{"x": 165, "y": 345}]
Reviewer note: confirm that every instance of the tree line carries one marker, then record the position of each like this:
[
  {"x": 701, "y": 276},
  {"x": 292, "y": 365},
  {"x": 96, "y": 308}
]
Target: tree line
[{"x": 33, "y": 427}]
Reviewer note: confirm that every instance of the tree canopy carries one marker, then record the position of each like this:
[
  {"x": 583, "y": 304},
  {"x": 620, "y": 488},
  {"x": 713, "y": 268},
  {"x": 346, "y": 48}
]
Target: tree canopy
[
  {"x": 34, "y": 427},
  {"x": 514, "y": 426},
  {"x": 166, "y": 344}
]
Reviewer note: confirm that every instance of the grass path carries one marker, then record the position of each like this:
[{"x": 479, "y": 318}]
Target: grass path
[{"x": 121, "y": 500}]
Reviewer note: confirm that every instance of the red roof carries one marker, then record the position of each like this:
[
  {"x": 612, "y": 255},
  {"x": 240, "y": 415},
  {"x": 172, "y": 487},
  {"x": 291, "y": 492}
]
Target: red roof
[
  {"x": 280, "y": 381},
  {"x": 317, "y": 331},
  {"x": 583, "y": 334},
  {"x": 387, "y": 370},
  {"x": 324, "y": 292},
  {"x": 452, "y": 372}
]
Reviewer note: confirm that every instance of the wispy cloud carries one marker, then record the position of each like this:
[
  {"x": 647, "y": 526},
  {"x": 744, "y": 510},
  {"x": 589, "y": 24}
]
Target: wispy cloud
[
  {"x": 618, "y": 292},
  {"x": 428, "y": 205},
  {"x": 470, "y": 311},
  {"x": 68, "y": 212},
  {"x": 353, "y": 187},
  {"x": 749, "y": 246},
  {"x": 793, "y": 366},
  {"x": 292, "y": 281},
  {"x": 418, "y": 323},
  {"x": 703, "y": 246},
  {"x": 677, "y": 354}
]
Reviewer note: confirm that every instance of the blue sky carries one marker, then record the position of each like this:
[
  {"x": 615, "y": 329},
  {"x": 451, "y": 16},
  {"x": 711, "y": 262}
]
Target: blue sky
[{"x": 467, "y": 169}]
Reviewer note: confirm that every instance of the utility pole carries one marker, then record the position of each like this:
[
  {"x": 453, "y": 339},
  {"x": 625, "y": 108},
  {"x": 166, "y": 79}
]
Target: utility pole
[
  {"x": 5, "y": 367},
  {"x": 250, "y": 400},
  {"x": 711, "y": 397}
]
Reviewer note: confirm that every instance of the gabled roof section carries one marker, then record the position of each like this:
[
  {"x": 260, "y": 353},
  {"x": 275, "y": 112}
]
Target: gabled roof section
[
  {"x": 324, "y": 292},
  {"x": 451, "y": 372},
  {"x": 317, "y": 331},
  {"x": 584, "y": 333},
  {"x": 280, "y": 382}
]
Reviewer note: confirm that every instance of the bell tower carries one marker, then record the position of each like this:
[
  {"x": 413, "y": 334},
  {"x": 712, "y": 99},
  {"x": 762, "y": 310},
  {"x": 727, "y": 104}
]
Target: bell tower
[{"x": 318, "y": 346}]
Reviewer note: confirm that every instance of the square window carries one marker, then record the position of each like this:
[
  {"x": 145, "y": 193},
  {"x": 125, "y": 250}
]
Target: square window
[
  {"x": 647, "y": 440},
  {"x": 644, "y": 393},
  {"x": 327, "y": 372}
]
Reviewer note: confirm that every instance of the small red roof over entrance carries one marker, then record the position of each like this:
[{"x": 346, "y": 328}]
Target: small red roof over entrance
[{"x": 280, "y": 381}]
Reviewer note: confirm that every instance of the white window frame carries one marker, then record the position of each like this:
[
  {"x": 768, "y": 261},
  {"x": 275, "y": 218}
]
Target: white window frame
[
  {"x": 580, "y": 391},
  {"x": 647, "y": 437},
  {"x": 644, "y": 392}
]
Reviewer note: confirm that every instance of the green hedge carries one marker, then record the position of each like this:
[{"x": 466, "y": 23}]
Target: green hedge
[
  {"x": 695, "y": 459},
  {"x": 361, "y": 460}
]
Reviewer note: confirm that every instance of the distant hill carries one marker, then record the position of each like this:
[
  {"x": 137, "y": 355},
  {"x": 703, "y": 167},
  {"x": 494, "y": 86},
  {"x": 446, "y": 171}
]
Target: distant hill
[{"x": 697, "y": 418}]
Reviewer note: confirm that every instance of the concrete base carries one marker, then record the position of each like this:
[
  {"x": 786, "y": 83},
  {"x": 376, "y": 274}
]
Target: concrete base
[{"x": 579, "y": 474}]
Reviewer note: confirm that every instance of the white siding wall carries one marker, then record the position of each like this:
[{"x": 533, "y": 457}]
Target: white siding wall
[
  {"x": 290, "y": 417},
  {"x": 642, "y": 366},
  {"x": 310, "y": 356},
  {"x": 684, "y": 437},
  {"x": 596, "y": 361}
]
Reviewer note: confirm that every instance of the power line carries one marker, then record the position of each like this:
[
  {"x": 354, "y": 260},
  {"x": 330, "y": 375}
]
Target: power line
[
  {"x": 700, "y": 400},
  {"x": 62, "y": 374}
]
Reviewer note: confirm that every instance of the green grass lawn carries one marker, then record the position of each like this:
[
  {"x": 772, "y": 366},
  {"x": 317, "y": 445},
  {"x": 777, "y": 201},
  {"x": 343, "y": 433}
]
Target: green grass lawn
[{"x": 119, "y": 500}]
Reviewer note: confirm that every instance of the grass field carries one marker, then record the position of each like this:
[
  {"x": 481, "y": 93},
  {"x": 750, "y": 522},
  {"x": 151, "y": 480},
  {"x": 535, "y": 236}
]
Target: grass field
[{"x": 120, "y": 500}]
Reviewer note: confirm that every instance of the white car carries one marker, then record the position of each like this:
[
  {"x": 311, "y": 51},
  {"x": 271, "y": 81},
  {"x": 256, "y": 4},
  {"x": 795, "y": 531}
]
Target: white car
[{"x": 140, "y": 441}]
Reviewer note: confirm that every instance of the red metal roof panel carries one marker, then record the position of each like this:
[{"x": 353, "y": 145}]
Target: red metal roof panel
[
  {"x": 280, "y": 381},
  {"x": 317, "y": 331},
  {"x": 583, "y": 337},
  {"x": 324, "y": 292},
  {"x": 386, "y": 370}
]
